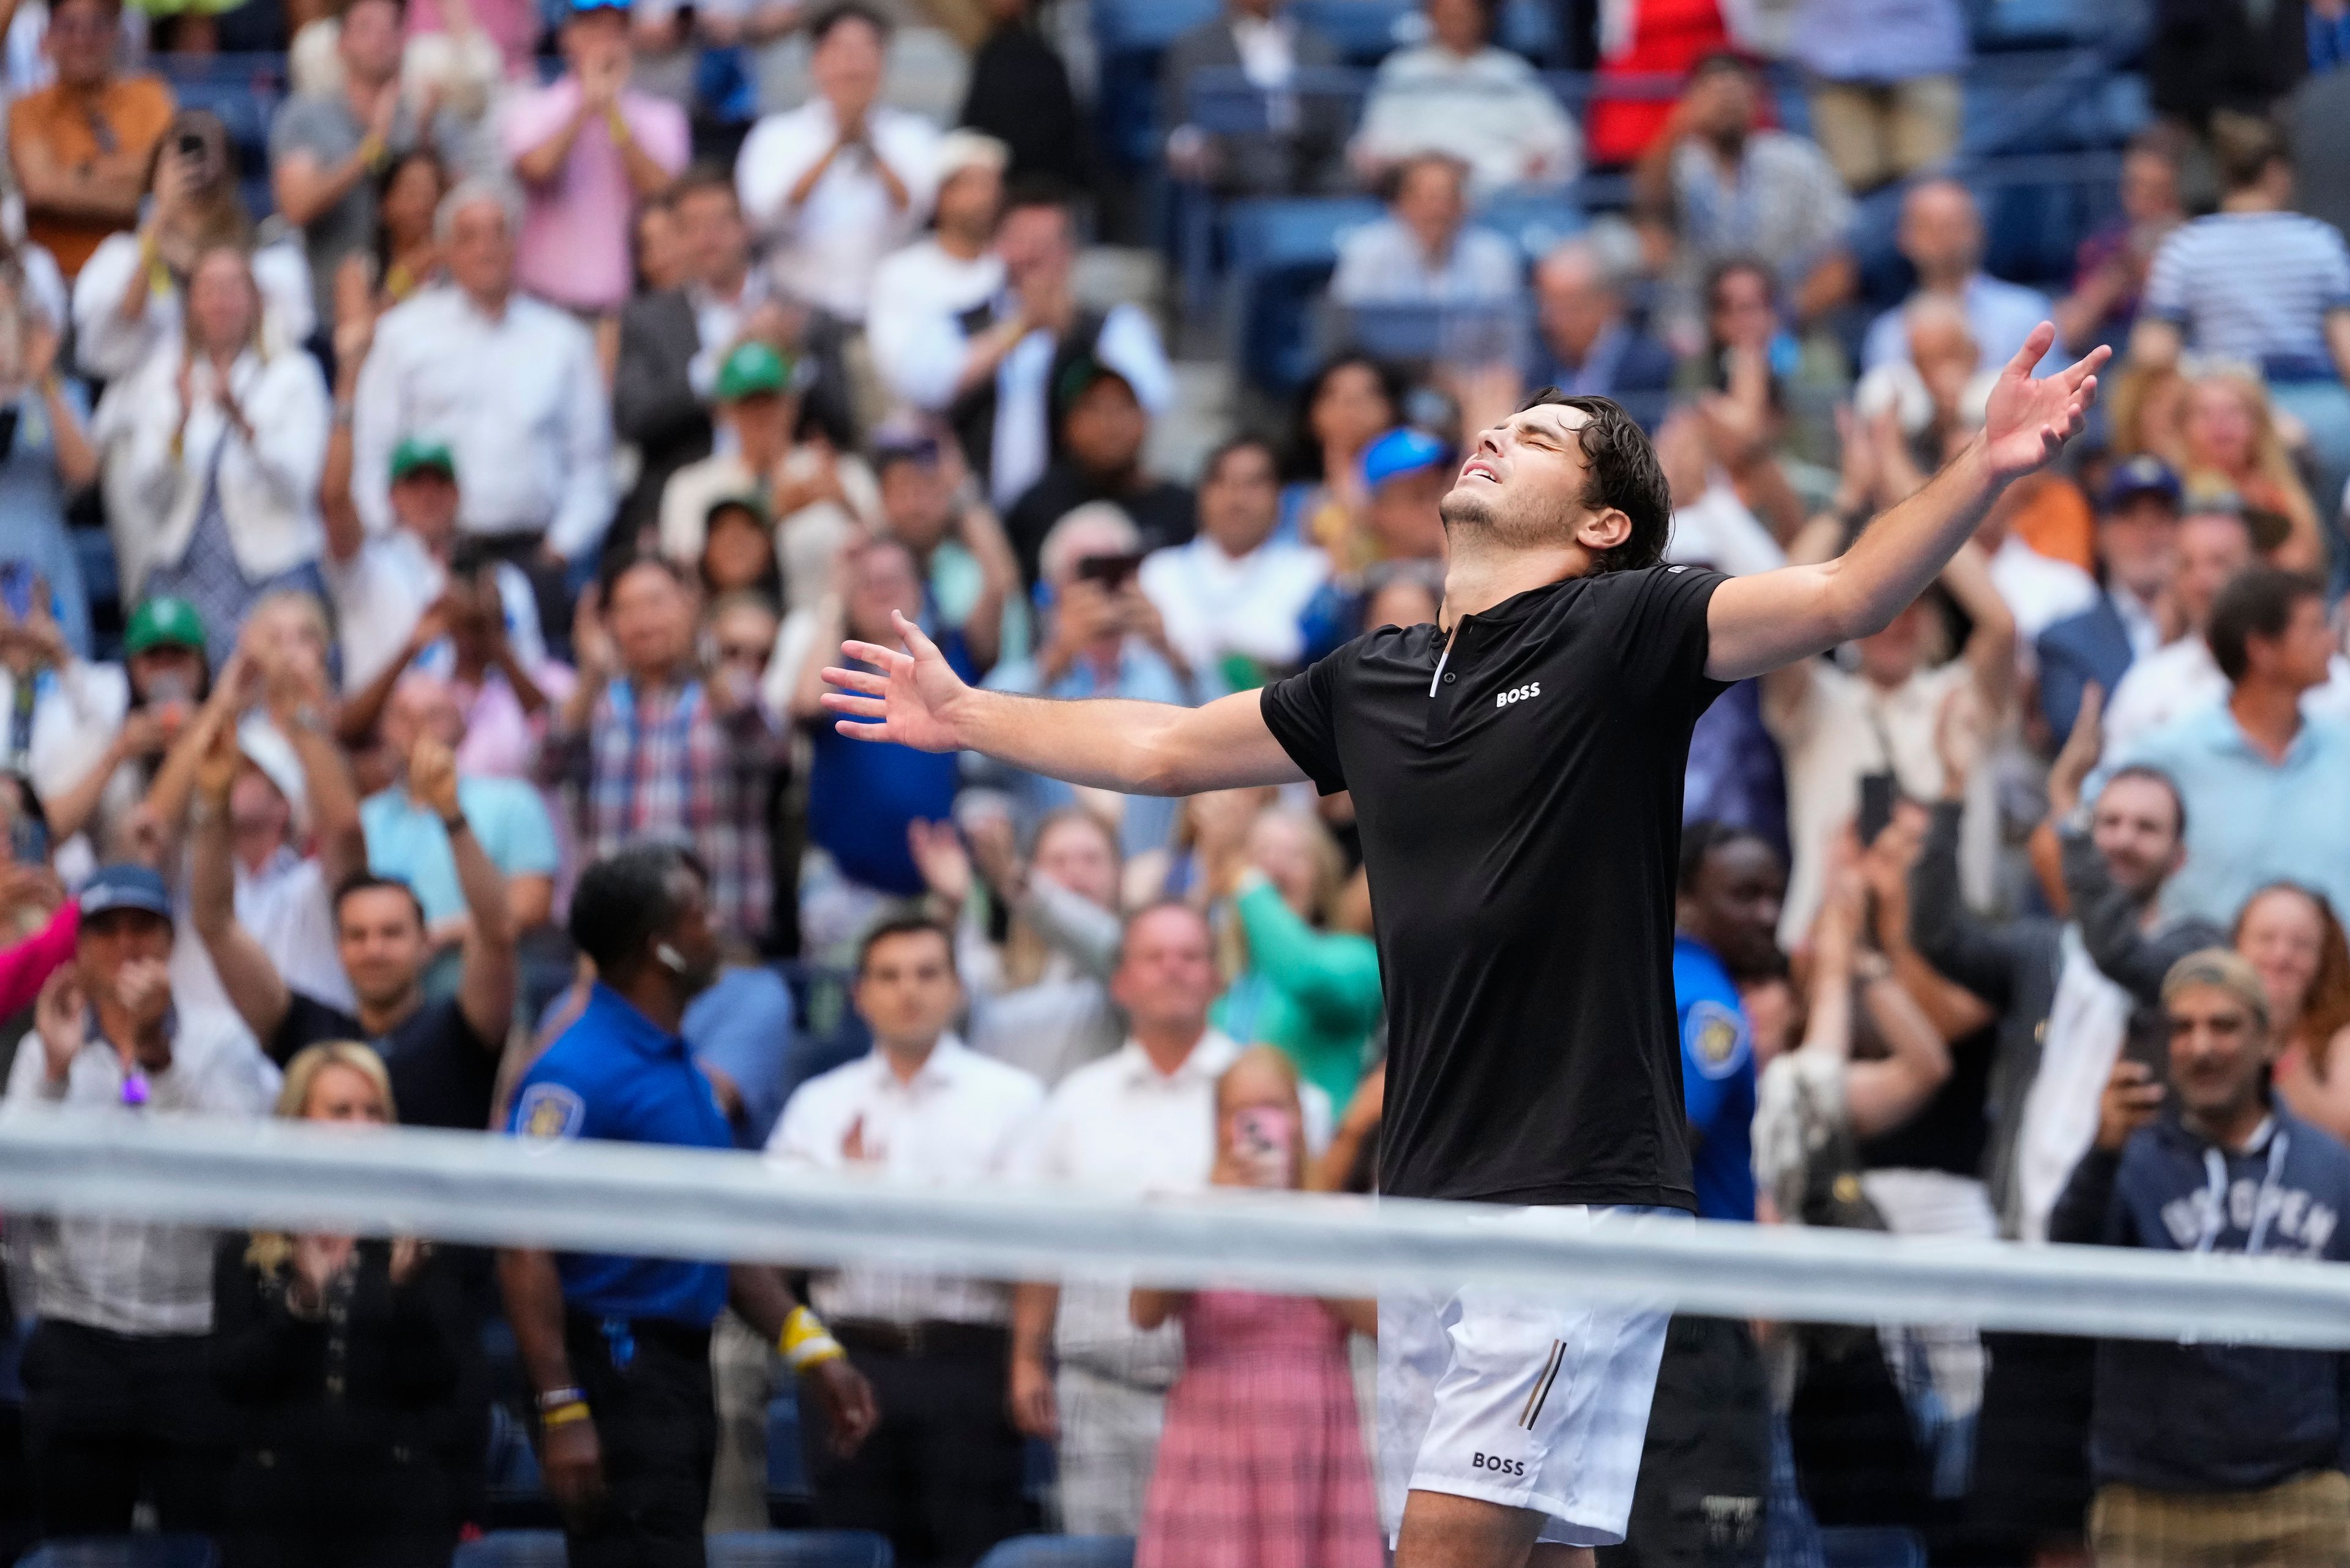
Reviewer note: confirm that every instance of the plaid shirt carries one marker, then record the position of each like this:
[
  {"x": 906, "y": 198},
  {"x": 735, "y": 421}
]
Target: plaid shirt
[{"x": 664, "y": 764}]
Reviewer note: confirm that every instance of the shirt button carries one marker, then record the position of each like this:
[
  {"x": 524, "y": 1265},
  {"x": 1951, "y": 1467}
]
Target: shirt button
[{"x": 1449, "y": 677}]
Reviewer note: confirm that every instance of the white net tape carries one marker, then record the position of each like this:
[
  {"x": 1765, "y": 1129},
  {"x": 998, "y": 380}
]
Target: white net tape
[{"x": 626, "y": 1199}]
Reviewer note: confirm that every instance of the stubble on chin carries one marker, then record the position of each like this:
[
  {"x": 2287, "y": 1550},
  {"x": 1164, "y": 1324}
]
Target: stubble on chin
[{"x": 1463, "y": 506}]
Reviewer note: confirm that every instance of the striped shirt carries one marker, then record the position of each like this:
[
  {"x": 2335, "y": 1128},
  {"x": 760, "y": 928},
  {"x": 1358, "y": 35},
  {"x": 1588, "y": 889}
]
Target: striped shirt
[{"x": 2253, "y": 285}]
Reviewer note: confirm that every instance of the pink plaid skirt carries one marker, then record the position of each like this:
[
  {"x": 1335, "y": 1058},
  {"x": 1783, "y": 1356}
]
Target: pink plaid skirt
[{"x": 1262, "y": 1462}]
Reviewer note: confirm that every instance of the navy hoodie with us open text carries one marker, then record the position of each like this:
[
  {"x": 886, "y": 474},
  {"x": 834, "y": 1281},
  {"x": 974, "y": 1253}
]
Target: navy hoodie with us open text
[{"x": 2213, "y": 1417}]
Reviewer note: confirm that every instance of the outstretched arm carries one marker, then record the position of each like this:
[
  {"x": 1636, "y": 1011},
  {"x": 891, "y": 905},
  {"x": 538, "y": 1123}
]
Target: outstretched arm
[
  {"x": 1139, "y": 748},
  {"x": 1759, "y": 622}
]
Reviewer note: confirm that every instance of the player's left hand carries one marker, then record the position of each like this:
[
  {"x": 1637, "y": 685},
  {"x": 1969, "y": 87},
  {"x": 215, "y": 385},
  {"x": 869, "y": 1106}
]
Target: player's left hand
[{"x": 2027, "y": 422}]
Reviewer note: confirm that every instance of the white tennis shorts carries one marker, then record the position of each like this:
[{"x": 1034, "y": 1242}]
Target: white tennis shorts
[{"x": 1538, "y": 1401}]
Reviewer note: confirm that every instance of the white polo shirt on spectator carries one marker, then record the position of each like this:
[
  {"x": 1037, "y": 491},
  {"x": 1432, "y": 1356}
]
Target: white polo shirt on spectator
[
  {"x": 1214, "y": 604},
  {"x": 383, "y": 591},
  {"x": 911, "y": 290},
  {"x": 955, "y": 1124},
  {"x": 827, "y": 248},
  {"x": 518, "y": 398},
  {"x": 126, "y": 1276}
]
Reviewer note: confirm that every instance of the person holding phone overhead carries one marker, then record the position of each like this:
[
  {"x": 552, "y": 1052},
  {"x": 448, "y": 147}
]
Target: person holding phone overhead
[
  {"x": 1261, "y": 1461},
  {"x": 1101, "y": 637}
]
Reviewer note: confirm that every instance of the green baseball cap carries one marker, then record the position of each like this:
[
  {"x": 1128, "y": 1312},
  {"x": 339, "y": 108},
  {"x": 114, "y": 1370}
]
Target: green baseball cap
[
  {"x": 421, "y": 451},
  {"x": 164, "y": 622},
  {"x": 753, "y": 367}
]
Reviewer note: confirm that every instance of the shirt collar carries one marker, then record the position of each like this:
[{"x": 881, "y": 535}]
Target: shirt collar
[
  {"x": 621, "y": 1020},
  {"x": 1213, "y": 1052},
  {"x": 943, "y": 1069}
]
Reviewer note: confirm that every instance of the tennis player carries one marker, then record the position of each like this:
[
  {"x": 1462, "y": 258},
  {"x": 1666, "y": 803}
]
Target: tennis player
[{"x": 1516, "y": 773}]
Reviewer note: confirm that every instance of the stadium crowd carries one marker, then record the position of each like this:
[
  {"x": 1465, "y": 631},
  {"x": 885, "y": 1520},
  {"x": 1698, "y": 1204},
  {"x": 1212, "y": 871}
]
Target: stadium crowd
[{"x": 417, "y": 569}]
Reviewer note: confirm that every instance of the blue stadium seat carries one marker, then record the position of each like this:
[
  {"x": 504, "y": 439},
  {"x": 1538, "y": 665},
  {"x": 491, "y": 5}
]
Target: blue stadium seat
[
  {"x": 1442, "y": 333},
  {"x": 1364, "y": 30},
  {"x": 1280, "y": 253},
  {"x": 800, "y": 1549},
  {"x": 123, "y": 1552},
  {"x": 1129, "y": 35},
  {"x": 1872, "y": 1546},
  {"x": 515, "y": 1549},
  {"x": 1063, "y": 1552},
  {"x": 1534, "y": 221},
  {"x": 786, "y": 1467}
]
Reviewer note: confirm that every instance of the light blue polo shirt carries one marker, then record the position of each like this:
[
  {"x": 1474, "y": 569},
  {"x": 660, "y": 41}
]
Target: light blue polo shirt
[
  {"x": 405, "y": 838},
  {"x": 2250, "y": 821}
]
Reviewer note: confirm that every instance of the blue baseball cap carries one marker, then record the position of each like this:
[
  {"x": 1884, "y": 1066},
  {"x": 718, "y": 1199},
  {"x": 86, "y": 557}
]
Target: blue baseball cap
[
  {"x": 1402, "y": 451},
  {"x": 124, "y": 887},
  {"x": 2141, "y": 476}
]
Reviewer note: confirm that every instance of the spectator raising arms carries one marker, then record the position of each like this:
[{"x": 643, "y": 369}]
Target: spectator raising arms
[
  {"x": 842, "y": 181},
  {"x": 587, "y": 149},
  {"x": 130, "y": 299}
]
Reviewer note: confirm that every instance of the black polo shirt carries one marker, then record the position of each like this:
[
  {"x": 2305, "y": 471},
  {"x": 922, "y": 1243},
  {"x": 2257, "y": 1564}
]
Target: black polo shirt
[
  {"x": 1520, "y": 810},
  {"x": 443, "y": 1074}
]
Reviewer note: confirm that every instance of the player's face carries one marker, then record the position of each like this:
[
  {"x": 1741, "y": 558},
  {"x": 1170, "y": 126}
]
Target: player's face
[{"x": 1524, "y": 483}]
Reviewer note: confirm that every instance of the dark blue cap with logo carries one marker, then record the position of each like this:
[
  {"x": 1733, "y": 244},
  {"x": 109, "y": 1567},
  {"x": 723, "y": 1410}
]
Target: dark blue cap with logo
[
  {"x": 2141, "y": 476},
  {"x": 124, "y": 887}
]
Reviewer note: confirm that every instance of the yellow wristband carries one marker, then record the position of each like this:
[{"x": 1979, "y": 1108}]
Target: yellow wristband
[
  {"x": 806, "y": 1343},
  {"x": 616, "y": 124},
  {"x": 563, "y": 1414}
]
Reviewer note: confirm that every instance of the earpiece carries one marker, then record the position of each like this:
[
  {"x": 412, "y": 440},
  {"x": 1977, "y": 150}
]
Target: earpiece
[{"x": 670, "y": 957}]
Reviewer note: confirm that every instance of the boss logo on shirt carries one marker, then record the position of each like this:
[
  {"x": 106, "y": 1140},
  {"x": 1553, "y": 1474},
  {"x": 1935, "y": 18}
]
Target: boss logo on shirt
[
  {"x": 1497, "y": 1464},
  {"x": 1518, "y": 694}
]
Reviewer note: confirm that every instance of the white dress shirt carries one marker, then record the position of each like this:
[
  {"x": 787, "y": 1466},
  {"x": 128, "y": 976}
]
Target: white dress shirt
[
  {"x": 913, "y": 289},
  {"x": 126, "y": 1276},
  {"x": 1120, "y": 1128},
  {"x": 1214, "y": 604},
  {"x": 519, "y": 398},
  {"x": 954, "y": 1124},
  {"x": 827, "y": 249}
]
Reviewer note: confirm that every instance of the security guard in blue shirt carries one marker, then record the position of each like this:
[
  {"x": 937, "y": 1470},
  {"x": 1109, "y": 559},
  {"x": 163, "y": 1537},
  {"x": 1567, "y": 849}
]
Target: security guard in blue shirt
[
  {"x": 618, "y": 1349},
  {"x": 1705, "y": 1469}
]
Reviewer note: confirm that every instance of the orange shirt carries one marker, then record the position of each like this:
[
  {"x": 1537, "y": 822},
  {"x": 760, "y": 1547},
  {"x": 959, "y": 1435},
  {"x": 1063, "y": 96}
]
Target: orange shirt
[{"x": 76, "y": 128}]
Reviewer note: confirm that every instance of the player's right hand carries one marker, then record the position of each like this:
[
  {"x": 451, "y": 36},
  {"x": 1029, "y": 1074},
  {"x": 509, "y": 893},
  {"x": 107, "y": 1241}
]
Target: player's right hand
[{"x": 914, "y": 694}]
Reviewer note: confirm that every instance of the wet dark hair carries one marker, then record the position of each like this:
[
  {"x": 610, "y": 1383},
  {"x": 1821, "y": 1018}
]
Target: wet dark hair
[{"x": 1622, "y": 471}]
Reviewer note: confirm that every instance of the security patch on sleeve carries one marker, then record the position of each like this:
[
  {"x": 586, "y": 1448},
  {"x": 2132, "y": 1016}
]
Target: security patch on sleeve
[
  {"x": 550, "y": 1112},
  {"x": 1714, "y": 1039}
]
